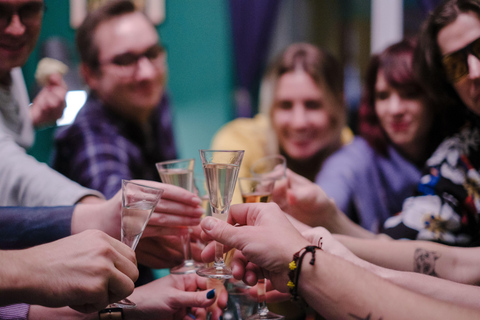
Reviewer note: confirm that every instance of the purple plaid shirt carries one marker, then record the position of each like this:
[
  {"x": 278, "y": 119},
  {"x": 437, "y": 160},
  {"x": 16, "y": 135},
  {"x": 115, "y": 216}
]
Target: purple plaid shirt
[{"x": 100, "y": 148}]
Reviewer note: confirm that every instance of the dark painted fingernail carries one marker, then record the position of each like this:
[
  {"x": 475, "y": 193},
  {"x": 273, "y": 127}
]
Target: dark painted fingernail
[
  {"x": 191, "y": 316},
  {"x": 211, "y": 294}
]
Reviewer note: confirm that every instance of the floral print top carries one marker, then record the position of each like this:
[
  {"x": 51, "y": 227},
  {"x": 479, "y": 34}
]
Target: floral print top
[{"x": 447, "y": 204}]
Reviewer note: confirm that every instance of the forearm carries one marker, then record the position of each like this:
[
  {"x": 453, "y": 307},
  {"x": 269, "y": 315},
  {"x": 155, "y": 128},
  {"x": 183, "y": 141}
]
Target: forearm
[
  {"x": 40, "y": 313},
  {"x": 444, "y": 290},
  {"x": 451, "y": 263},
  {"x": 340, "y": 290},
  {"x": 341, "y": 224}
]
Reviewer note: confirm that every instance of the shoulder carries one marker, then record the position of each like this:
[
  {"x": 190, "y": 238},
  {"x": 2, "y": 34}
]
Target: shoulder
[
  {"x": 88, "y": 122},
  {"x": 357, "y": 150},
  {"x": 243, "y": 128}
]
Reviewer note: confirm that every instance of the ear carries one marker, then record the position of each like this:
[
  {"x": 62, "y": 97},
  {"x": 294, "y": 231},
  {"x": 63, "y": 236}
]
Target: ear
[{"x": 89, "y": 75}]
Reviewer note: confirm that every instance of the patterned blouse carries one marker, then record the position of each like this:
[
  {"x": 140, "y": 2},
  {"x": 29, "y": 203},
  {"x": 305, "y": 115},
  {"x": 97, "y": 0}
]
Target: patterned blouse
[{"x": 446, "y": 207}]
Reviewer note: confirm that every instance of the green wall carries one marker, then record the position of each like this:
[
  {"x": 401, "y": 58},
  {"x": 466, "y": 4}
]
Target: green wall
[{"x": 197, "y": 37}]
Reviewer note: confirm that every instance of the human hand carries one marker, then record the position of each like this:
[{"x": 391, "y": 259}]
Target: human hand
[
  {"x": 177, "y": 207},
  {"x": 265, "y": 239},
  {"x": 307, "y": 202},
  {"x": 86, "y": 271},
  {"x": 49, "y": 103},
  {"x": 174, "y": 296},
  {"x": 271, "y": 295},
  {"x": 164, "y": 251}
]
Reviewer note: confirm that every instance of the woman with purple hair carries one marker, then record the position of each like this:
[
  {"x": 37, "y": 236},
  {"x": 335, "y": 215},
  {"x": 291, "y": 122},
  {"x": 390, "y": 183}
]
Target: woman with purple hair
[{"x": 399, "y": 128}]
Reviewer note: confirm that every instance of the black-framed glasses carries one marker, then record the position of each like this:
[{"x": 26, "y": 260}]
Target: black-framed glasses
[
  {"x": 456, "y": 63},
  {"x": 127, "y": 63},
  {"x": 29, "y": 13}
]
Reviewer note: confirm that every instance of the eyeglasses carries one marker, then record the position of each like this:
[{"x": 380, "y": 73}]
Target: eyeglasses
[
  {"x": 127, "y": 63},
  {"x": 29, "y": 14},
  {"x": 456, "y": 64}
]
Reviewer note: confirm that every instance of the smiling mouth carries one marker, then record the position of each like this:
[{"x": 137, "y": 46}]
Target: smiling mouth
[
  {"x": 13, "y": 47},
  {"x": 400, "y": 126}
]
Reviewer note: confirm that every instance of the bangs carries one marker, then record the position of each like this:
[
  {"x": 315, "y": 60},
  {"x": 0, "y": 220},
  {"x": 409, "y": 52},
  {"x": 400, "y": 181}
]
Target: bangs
[{"x": 398, "y": 72}]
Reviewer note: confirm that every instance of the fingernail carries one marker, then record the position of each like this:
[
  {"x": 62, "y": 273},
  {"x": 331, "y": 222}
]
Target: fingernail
[
  {"x": 196, "y": 200},
  {"x": 211, "y": 294},
  {"x": 209, "y": 223},
  {"x": 221, "y": 318},
  {"x": 200, "y": 211},
  {"x": 191, "y": 316}
]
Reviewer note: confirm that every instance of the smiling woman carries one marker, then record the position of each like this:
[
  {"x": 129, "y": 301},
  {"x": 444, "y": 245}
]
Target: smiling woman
[
  {"x": 302, "y": 117},
  {"x": 399, "y": 129}
]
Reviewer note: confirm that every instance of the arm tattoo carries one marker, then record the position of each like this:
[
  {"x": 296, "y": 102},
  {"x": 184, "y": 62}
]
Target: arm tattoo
[
  {"x": 368, "y": 317},
  {"x": 424, "y": 261}
]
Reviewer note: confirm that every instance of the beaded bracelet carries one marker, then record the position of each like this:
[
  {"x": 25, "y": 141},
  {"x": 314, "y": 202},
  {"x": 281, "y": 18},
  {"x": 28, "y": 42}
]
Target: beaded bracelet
[{"x": 296, "y": 265}]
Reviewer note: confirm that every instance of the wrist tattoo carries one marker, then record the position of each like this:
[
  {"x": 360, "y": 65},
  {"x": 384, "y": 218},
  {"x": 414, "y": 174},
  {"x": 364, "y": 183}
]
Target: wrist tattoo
[
  {"x": 424, "y": 261},
  {"x": 368, "y": 317}
]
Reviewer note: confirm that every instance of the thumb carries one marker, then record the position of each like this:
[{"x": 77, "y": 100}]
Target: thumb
[
  {"x": 201, "y": 299},
  {"x": 219, "y": 230}
]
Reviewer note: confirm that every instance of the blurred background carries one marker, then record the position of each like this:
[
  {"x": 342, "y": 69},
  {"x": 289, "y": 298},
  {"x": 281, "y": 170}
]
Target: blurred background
[{"x": 218, "y": 49}]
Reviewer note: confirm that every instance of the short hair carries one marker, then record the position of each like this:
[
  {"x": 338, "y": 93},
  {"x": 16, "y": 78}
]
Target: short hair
[
  {"x": 396, "y": 63},
  {"x": 428, "y": 59},
  {"x": 321, "y": 65},
  {"x": 85, "y": 39}
]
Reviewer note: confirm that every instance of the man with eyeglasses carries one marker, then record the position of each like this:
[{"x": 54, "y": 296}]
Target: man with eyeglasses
[
  {"x": 125, "y": 126},
  {"x": 20, "y": 23},
  {"x": 25, "y": 181}
]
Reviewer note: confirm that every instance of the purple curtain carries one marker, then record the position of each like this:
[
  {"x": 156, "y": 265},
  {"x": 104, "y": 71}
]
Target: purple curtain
[
  {"x": 428, "y": 5},
  {"x": 252, "y": 24}
]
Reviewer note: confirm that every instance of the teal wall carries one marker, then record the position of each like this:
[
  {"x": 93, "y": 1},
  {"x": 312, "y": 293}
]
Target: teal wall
[{"x": 197, "y": 37}]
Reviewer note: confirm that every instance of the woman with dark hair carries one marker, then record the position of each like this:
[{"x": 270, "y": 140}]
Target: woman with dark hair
[
  {"x": 399, "y": 129},
  {"x": 447, "y": 206},
  {"x": 302, "y": 113}
]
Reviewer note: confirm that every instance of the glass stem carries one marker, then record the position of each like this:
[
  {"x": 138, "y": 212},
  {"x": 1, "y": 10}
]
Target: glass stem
[
  {"x": 262, "y": 298},
  {"x": 219, "y": 254},
  {"x": 187, "y": 252}
]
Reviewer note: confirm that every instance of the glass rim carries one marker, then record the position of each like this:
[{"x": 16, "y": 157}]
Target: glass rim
[
  {"x": 219, "y": 150},
  {"x": 175, "y": 161},
  {"x": 257, "y": 178},
  {"x": 124, "y": 181}
]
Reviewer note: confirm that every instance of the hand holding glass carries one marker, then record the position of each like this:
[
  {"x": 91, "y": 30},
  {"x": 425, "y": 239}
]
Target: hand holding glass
[
  {"x": 258, "y": 189},
  {"x": 221, "y": 171},
  {"x": 180, "y": 173},
  {"x": 138, "y": 203},
  {"x": 273, "y": 166}
]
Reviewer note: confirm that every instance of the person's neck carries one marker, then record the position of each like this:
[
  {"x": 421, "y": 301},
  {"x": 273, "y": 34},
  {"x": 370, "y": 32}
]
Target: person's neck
[
  {"x": 140, "y": 117},
  {"x": 5, "y": 79},
  {"x": 416, "y": 152}
]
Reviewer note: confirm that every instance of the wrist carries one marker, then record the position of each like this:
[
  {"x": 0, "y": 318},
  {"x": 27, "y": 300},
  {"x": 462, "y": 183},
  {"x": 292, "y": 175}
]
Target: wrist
[{"x": 296, "y": 265}]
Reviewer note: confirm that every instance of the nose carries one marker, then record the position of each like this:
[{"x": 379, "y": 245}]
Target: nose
[
  {"x": 145, "y": 69},
  {"x": 473, "y": 67},
  {"x": 15, "y": 27},
  {"x": 299, "y": 116},
  {"x": 395, "y": 104}
]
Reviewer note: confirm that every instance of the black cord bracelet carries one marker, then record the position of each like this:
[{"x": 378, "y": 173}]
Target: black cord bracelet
[{"x": 296, "y": 265}]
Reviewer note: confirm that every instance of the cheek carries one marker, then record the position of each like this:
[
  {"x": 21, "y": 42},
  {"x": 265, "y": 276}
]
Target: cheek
[
  {"x": 322, "y": 121},
  {"x": 280, "y": 119}
]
